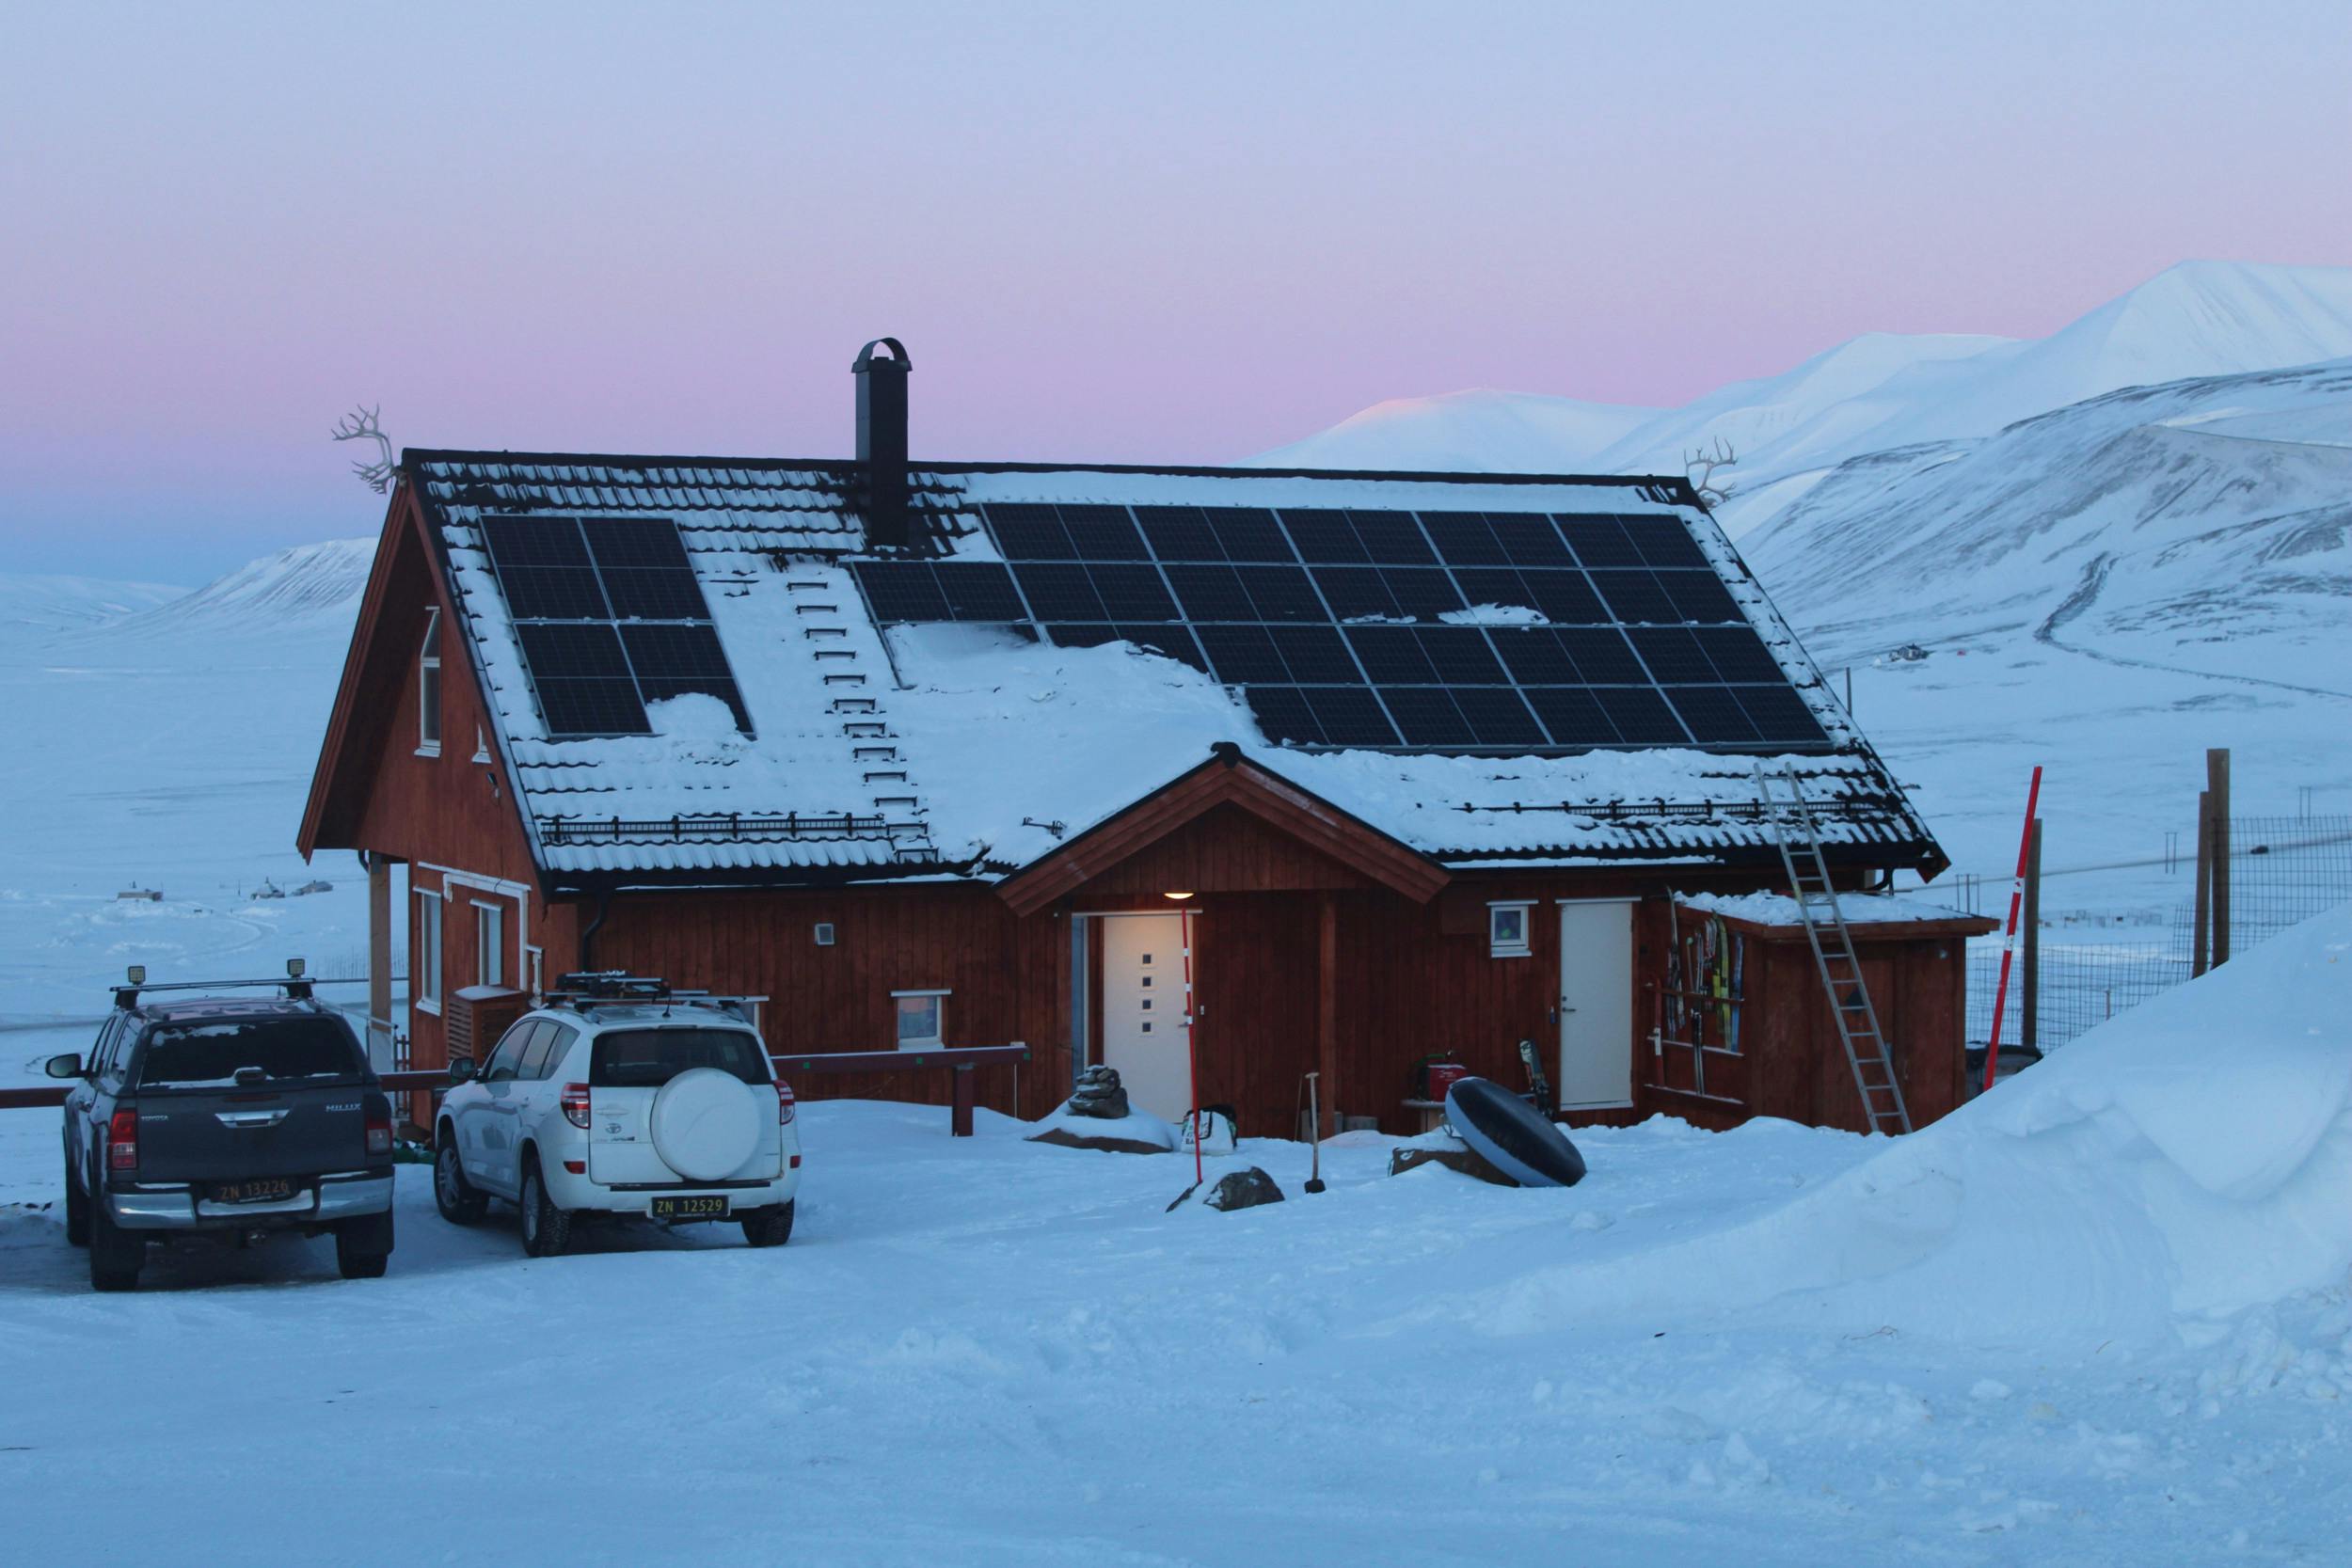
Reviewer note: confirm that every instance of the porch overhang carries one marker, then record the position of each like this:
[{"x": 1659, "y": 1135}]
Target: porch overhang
[{"x": 1227, "y": 779}]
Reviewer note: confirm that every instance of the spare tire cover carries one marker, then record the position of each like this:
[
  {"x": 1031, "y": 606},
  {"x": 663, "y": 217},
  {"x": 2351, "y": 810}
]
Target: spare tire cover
[{"x": 705, "y": 1123}]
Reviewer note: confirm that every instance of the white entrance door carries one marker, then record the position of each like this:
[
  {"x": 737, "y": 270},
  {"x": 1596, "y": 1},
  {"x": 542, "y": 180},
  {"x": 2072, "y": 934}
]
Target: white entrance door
[
  {"x": 1143, "y": 1011},
  {"x": 1596, "y": 1005}
]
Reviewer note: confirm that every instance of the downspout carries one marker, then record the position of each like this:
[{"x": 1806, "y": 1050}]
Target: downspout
[{"x": 588, "y": 932}]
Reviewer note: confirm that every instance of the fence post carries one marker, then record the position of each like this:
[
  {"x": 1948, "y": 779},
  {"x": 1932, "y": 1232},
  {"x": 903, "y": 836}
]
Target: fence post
[
  {"x": 2201, "y": 925},
  {"x": 2029, "y": 996},
  {"x": 2217, "y": 786}
]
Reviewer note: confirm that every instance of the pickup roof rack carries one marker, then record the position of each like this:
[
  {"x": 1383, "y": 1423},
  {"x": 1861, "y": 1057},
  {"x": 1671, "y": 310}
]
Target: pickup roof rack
[
  {"x": 295, "y": 987},
  {"x": 616, "y": 988}
]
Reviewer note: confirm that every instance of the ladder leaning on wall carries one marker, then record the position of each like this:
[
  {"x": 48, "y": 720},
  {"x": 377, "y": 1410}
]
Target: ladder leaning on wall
[{"x": 1798, "y": 837}]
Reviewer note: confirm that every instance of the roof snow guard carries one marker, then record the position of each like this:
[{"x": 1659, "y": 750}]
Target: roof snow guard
[{"x": 1060, "y": 643}]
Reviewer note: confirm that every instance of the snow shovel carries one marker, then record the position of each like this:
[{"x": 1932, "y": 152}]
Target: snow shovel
[{"x": 1315, "y": 1113}]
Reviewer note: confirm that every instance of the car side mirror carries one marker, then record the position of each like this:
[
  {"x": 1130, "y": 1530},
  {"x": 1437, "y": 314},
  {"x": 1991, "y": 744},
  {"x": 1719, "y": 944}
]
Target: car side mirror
[
  {"x": 67, "y": 1066},
  {"x": 461, "y": 1069}
]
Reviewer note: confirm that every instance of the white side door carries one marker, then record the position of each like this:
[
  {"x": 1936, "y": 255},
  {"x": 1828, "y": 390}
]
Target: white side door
[
  {"x": 1143, "y": 1011},
  {"x": 1596, "y": 1005}
]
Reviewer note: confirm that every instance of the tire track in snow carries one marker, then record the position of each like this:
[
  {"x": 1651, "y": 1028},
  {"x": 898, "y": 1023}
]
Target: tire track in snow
[{"x": 2086, "y": 594}]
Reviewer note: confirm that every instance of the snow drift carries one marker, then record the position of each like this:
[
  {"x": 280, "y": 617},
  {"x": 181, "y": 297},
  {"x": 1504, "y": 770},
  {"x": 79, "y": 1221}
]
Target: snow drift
[{"x": 2182, "y": 1163}]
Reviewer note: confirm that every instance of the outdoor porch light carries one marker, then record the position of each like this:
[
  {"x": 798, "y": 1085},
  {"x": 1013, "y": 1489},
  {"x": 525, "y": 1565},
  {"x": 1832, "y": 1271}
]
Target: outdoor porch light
[{"x": 1180, "y": 898}]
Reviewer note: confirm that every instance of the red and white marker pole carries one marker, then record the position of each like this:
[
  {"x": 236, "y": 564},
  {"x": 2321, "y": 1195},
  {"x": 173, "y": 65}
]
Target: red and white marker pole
[
  {"x": 1192, "y": 1052},
  {"x": 2008, "y": 939}
]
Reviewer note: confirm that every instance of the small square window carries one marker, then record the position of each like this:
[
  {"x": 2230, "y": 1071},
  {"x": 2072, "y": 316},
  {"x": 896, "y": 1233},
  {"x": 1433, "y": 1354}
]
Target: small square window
[
  {"x": 922, "y": 1019},
  {"x": 1506, "y": 930},
  {"x": 824, "y": 933}
]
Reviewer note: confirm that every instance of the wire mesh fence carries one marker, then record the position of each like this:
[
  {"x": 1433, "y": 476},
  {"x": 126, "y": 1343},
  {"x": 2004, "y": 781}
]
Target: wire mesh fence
[{"x": 2282, "y": 871}]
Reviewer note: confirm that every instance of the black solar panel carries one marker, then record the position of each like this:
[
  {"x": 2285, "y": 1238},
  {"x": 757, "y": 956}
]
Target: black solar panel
[
  {"x": 1425, "y": 716},
  {"x": 609, "y": 616},
  {"x": 1348, "y": 627},
  {"x": 1284, "y": 714},
  {"x": 1243, "y": 656},
  {"x": 1392, "y": 539},
  {"x": 1248, "y": 533},
  {"x": 1325, "y": 537},
  {"x": 976, "y": 591},
  {"x": 1351, "y": 716},
  {"x": 1103, "y": 533},
  {"x": 1133, "y": 592},
  {"x": 1317, "y": 656}
]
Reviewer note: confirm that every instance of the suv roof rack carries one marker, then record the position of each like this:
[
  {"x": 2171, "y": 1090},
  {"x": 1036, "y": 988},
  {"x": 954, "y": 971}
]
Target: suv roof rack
[
  {"x": 295, "y": 987},
  {"x": 585, "y": 992}
]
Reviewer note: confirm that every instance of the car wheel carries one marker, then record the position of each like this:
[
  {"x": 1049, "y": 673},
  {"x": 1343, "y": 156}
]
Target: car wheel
[
  {"x": 76, "y": 1210},
  {"x": 459, "y": 1200},
  {"x": 363, "y": 1247},
  {"x": 547, "y": 1229},
  {"x": 115, "y": 1254},
  {"x": 769, "y": 1228}
]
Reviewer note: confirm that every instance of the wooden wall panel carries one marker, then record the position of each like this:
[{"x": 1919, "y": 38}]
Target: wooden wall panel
[
  {"x": 1008, "y": 976},
  {"x": 1225, "y": 849}
]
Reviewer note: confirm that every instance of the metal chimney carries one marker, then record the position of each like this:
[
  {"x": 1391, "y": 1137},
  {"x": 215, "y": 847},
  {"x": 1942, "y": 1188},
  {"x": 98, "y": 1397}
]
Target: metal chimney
[{"x": 881, "y": 443}]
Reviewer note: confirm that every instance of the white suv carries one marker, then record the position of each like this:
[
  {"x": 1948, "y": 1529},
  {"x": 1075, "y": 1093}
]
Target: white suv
[{"x": 661, "y": 1106}]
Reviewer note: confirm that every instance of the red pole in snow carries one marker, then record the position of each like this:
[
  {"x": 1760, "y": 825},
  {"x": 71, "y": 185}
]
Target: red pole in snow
[
  {"x": 1192, "y": 1052},
  {"x": 2009, "y": 938}
]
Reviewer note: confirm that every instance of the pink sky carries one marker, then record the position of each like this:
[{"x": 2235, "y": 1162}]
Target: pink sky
[{"x": 1180, "y": 234}]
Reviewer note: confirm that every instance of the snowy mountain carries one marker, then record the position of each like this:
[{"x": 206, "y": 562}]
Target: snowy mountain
[
  {"x": 2157, "y": 523},
  {"x": 1477, "y": 431},
  {"x": 309, "y": 584},
  {"x": 2107, "y": 589},
  {"x": 37, "y": 605},
  {"x": 1879, "y": 390}
]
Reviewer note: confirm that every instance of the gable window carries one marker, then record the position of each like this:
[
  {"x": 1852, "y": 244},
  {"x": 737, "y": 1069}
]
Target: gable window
[
  {"x": 429, "y": 686},
  {"x": 922, "y": 1018},
  {"x": 426, "y": 986},
  {"x": 490, "y": 944},
  {"x": 1506, "y": 931}
]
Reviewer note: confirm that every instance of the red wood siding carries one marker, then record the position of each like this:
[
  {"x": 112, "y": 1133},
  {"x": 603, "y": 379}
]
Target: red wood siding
[{"x": 1008, "y": 976}]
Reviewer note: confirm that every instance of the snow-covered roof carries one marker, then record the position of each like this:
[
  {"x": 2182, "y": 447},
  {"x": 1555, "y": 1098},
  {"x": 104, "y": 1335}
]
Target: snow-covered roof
[
  {"x": 974, "y": 750},
  {"x": 1859, "y": 909}
]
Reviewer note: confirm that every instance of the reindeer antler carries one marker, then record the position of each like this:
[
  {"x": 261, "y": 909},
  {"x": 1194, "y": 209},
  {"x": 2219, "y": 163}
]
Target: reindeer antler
[
  {"x": 1700, "y": 465},
  {"x": 359, "y": 424}
]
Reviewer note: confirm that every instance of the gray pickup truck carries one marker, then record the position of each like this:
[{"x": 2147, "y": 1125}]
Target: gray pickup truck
[{"x": 225, "y": 1119}]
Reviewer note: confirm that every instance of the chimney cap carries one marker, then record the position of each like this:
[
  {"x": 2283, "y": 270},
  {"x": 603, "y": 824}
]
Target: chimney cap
[{"x": 866, "y": 361}]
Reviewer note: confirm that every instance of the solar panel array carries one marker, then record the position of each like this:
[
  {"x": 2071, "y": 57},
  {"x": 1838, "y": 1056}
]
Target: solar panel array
[
  {"x": 610, "y": 617},
  {"x": 1616, "y": 628}
]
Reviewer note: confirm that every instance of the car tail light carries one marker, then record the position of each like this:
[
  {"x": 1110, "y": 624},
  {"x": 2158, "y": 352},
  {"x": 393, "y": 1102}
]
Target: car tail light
[
  {"x": 379, "y": 1132},
  {"x": 576, "y": 1104},
  {"x": 122, "y": 1141},
  {"x": 784, "y": 1103}
]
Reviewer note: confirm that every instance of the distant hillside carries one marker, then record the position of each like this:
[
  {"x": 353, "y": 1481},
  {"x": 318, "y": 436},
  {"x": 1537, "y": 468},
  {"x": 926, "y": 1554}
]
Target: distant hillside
[
  {"x": 1878, "y": 392},
  {"x": 2159, "y": 525},
  {"x": 39, "y": 605},
  {"x": 1477, "y": 431},
  {"x": 307, "y": 584}
]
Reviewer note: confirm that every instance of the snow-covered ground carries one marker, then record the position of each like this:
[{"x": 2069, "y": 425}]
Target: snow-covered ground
[{"x": 2095, "y": 1317}]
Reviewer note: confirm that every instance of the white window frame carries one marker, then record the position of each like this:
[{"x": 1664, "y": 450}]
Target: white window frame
[
  {"x": 425, "y": 989},
  {"x": 1502, "y": 946},
  {"x": 489, "y": 943},
  {"x": 937, "y": 996},
  {"x": 429, "y": 686},
  {"x": 481, "y": 745}
]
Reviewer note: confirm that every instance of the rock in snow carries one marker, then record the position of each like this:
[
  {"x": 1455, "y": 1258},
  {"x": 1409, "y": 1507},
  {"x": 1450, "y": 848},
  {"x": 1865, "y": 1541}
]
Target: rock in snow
[{"x": 1236, "y": 1189}]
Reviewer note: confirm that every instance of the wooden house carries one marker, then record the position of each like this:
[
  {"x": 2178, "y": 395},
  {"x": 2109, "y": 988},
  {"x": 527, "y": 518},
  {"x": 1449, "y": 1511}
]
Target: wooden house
[{"x": 1370, "y": 767}]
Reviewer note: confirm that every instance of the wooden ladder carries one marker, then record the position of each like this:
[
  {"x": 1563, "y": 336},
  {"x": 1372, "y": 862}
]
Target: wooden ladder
[{"x": 1799, "y": 836}]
